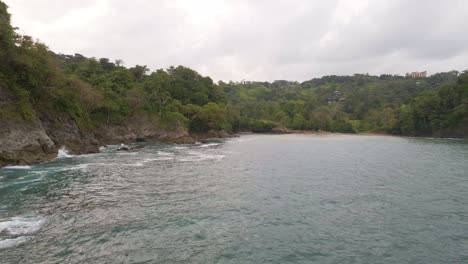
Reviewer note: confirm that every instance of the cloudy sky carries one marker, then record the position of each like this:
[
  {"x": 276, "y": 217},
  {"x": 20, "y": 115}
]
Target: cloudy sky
[{"x": 257, "y": 39}]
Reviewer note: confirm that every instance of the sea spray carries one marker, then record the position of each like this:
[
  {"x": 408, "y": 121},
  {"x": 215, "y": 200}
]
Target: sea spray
[
  {"x": 25, "y": 225},
  {"x": 18, "y": 230},
  {"x": 24, "y": 167},
  {"x": 13, "y": 242},
  {"x": 63, "y": 153},
  {"x": 208, "y": 145}
]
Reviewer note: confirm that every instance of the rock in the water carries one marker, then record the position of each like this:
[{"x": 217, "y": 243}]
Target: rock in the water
[
  {"x": 137, "y": 147},
  {"x": 123, "y": 148},
  {"x": 128, "y": 148},
  {"x": 22, "y": 144}
]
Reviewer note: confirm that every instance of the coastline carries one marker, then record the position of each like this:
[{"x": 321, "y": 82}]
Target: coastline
[
  {"x": 172, "y": 137},
  {"x": 315, "y": 132},
  {"x": 319, "y": 133}
]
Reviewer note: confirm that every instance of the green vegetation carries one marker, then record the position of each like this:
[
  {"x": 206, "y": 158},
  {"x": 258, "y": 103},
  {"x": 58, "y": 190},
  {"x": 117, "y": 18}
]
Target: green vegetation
[
  {"x": 436, "y": 105},
  {"x": 35, "y": 82}
]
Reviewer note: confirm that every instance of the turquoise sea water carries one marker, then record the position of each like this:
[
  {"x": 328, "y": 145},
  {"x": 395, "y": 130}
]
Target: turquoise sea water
[{"x": 251, "y": 199}]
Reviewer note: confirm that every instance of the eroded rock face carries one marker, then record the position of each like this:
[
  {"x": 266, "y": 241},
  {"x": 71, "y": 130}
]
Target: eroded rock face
[
  {"x": 25, "y": 144},
  {"x": 64, "y": 131},
  {"x": 38, "y": 140},
  {"x": 28, "y": 142},
  {"x": 142, "y": 128},
  {"x": 179, "y": 135},
  {"x": 211, "y": 134}
]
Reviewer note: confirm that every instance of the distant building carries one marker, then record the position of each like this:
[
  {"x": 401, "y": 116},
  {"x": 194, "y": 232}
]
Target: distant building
[{"x": 416, "y": 74}]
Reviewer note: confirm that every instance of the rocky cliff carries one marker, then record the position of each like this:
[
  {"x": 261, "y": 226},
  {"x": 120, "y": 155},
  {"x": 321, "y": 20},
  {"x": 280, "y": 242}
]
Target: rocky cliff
[
  {"x": 38, "y": 141},
  {"x": 22, "y": 143}
]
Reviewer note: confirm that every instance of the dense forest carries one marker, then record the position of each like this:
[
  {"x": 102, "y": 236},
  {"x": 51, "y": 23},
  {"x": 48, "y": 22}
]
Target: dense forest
[
  {"x": 96, "y": 91},
  {"x": 436, "y": 105}
]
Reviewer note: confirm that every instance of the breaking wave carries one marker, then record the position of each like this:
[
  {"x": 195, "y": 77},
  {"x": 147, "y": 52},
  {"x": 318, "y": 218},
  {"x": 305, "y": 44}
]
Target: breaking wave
[
  {"x": 180, "y": 147},
  {"x": 209, "y": 145},
  {"x": 22, "y": 225},
  {"x": 163, "y": 153},
  {"x": 198, "y": 156},
  {"x": 63, "y": 153},
  {"x": 13, "y": 242},
  {"x": 25, "y": 167},
  {"x": 18, "y": 230}
]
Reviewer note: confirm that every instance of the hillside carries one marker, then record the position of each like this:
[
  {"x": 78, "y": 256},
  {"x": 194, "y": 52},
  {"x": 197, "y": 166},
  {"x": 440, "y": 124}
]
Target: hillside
[
  {"x": 433, "y": 106},
  {"x": 50, "y": 100}
]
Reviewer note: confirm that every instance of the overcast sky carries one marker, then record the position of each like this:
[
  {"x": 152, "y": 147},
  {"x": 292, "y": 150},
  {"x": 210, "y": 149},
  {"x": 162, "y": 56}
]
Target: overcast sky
[{"x": 256, "y": 39}]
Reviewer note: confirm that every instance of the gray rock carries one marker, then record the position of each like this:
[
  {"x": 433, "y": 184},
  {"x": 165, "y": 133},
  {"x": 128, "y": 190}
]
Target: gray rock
[{"x": 22, "y": 143}]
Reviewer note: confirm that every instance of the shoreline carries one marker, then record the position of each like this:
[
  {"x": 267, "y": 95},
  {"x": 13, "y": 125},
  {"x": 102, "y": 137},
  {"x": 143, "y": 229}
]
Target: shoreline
[
  {"x": 313, "y": 132},
  {"x": 204, "y": 137}
]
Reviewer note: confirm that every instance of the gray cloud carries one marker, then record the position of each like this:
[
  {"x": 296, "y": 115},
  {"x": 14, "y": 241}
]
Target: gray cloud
[{"x": 257, "y": 40}]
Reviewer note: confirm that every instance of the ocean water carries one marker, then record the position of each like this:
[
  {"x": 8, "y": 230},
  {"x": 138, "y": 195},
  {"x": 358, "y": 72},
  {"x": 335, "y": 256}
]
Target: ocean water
[{"x": 250, "y": 199}]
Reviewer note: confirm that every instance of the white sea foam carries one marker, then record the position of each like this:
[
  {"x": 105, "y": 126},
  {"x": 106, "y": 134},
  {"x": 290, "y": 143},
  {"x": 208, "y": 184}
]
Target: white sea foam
[
  {"x": 136, "y": 164},
  {"x": 63, "y": 153},
  {"x": 78, "y": 167},
  {"x": 17, "y": 167},
  {"x": 13, "y": 242},
  {"x": 23, "y": 180},
  {"x": 22, "y": 225},
  {"x": 126, "y": 153},
  {"x": 163, "y": 153},
  {"x": 209, "y": 145},
  {"x": 179, "y": 147},
  {"x": 158, "y": 159},
  {"x": 244, "y": 139},
  {"x": 198, "y": 156},
  {"x": 20, "y": 229},
  {"x": 39, "y": 172},
  {"x": 71, "y": 168},
  {"x": 143, "y": 161}
]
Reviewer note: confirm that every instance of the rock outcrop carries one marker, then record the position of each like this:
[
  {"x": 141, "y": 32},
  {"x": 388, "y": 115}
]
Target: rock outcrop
[
  {"x": 211, "y": 134},
  {"x": 142, "y": 127},
  {"x": 38, "y": 140},
  {"x": 22, "y": 143},
  {"x": 64, "y": 131}
]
